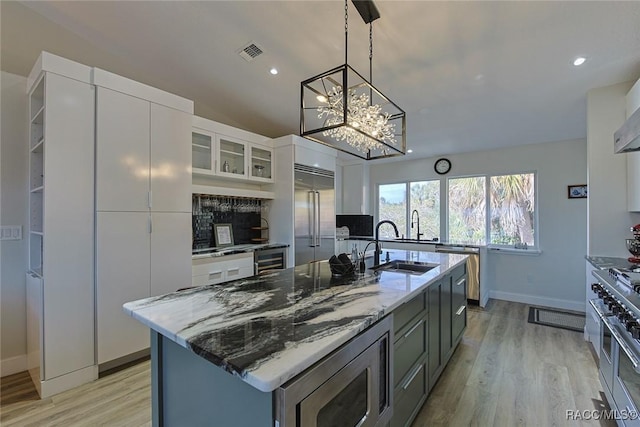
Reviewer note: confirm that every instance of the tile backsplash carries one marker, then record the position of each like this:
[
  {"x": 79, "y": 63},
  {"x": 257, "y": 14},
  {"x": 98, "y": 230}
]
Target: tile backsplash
[
  {"x": 359, "y": 225},
  {"x": 241, "y": 213}
]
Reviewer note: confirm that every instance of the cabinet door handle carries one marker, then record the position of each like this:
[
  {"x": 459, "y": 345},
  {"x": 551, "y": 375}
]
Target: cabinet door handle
[
  {"x": 214, "y": 273},
  {"x": 413, "y": 329},
  {"x": 460, "y": 310},
  {"x": 150, "y": 224},
  {"x": 234, "y": 269},
  {"x": 149, "y": 203},
  {"x": 410, "y": 380},
  {"x": 461, "y": 281}
]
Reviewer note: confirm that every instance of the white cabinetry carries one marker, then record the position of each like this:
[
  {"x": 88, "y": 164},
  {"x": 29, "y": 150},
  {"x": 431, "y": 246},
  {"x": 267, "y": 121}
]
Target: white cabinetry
[
  {"x": 123, "y": 274},
  {"x": 225, "y": 152},
  {"x": 290, "y": 150},
  {"x": 60, "y": 291},
  {"x": 209, "y": 271},
  {"x": 143, "y": 190},
  {"x": 633, "y": 159},
  {"x": 355, "y": 189}
]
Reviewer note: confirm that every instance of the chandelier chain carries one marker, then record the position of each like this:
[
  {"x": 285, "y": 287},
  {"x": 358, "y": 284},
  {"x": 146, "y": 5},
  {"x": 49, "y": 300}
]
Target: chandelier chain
[
  {"x": 371, "y": 52},
  {"x": 346, "y": 30}
]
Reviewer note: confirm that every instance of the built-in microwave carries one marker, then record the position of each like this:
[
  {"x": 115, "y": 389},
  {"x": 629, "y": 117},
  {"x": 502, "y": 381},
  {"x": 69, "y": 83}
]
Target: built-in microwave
[{"x": 351, "y": 387}]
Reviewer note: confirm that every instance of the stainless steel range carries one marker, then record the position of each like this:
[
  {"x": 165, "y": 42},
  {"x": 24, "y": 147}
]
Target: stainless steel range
[
  {"x": 629, "y": 277},
  {"x": 618, "y": 306}
]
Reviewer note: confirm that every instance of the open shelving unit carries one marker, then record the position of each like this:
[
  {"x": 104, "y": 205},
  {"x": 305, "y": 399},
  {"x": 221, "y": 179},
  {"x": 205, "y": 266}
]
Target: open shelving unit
[
  {"x": 37, "y": 115},
  {"x": 263, "y": 232}
]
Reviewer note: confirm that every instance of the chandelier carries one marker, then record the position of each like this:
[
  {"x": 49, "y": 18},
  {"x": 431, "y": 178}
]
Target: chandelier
[{"x": 360, "y": 121}]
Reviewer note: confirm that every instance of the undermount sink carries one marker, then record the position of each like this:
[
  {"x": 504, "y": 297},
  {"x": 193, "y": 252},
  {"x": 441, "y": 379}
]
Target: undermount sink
[{"x": 411, "y": 267}]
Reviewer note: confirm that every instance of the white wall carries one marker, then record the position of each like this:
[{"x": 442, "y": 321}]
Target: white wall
[
  {"x": 13, "y": 211},
  {"x": 556, "y": 276},
  {"x": 608, "y": 218}
]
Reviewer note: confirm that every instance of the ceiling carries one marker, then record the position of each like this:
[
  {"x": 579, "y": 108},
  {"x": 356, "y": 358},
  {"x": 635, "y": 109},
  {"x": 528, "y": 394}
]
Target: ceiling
[{"x": 470, "y": 75}]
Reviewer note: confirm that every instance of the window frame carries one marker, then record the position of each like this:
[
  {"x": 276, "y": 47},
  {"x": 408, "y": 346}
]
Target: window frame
[
  {"x": 488, "y": 207},
  {"x": 407, "y": 231},
  {"x": 444, "y": 207}
]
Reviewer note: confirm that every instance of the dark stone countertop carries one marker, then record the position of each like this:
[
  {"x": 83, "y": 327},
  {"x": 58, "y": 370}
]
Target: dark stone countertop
[{"x": 268, "y": 329}]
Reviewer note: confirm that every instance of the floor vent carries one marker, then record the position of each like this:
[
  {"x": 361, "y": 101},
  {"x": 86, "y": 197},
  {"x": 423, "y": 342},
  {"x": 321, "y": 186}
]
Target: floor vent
[{"x": 250, "y": 52}]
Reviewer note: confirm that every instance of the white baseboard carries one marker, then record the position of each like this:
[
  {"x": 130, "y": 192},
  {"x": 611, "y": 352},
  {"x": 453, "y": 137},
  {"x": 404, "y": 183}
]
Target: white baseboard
[
  {"x": 13, "y": 365},
  {"x": 539, "y": 301},
  {"x": 68, "y": 381}
]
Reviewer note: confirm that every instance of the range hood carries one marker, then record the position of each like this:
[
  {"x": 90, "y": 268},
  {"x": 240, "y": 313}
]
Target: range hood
[{"x": 627, "y": 138}]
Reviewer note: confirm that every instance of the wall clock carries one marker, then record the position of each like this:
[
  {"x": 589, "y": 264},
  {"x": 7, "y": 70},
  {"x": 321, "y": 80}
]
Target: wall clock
[{"x": 442, "y": 166}]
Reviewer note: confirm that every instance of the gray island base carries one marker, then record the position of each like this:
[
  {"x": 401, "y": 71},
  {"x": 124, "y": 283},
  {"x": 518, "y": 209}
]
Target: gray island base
[{"x": 228, "y": 354}]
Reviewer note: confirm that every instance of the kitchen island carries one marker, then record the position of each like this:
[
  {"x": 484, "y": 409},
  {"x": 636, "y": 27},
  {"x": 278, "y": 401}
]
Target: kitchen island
[{"x": 267, "y": 330}]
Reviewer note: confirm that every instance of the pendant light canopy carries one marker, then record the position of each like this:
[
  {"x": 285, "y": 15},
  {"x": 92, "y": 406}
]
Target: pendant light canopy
[{"x": 359, "y": 120}]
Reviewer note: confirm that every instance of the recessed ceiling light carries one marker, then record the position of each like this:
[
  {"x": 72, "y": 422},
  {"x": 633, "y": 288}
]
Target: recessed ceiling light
[
  {"x": 579, "y": 61},
  {"x": 273, "y": 71},
  {"x": 409, "y": 151}
]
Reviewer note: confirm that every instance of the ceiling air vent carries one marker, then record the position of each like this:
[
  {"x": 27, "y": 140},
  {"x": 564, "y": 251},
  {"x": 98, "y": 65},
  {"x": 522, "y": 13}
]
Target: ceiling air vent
[{"x": 250, "y": 52}]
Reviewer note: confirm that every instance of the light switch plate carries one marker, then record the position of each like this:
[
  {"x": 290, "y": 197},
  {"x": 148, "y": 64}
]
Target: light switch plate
[{"x": 11, "y": 232}]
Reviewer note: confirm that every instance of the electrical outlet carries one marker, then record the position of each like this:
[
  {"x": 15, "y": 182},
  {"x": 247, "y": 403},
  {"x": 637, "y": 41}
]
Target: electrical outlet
[{"x": 11, "y": 232}]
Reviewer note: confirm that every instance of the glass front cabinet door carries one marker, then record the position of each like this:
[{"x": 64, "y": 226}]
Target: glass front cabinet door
[
  {"x": 261, "y": 168},
  {"x": 232, "y": 159},
  {"x": 202, "y": 149}
]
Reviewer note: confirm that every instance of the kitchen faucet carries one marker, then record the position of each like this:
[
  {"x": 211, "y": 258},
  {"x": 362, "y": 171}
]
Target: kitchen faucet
[
  {"x": 415, "y": 211},
  {"x": 376, "y": 255}
]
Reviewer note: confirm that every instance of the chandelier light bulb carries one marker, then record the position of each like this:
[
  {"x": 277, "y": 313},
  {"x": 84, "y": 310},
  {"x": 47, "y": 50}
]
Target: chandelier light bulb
[{"x": 321, "y": 98}]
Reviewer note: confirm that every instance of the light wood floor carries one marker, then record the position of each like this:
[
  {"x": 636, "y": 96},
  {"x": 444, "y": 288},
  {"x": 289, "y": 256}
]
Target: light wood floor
[
  {"x": 508, "y": 372},
  {"x": 505, "y": 372}
]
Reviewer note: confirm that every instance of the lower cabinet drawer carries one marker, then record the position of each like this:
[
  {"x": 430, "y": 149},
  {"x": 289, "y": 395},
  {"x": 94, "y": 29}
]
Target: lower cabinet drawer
[
  {"x": 409, "y": 396},
  {"x": 234, "y": 273},
  {"x": 408, "y": 349},
  {"x": 216, "y": 276},
  {"x": 458, "y": 320},
  {"x": 407, "y": 311}
]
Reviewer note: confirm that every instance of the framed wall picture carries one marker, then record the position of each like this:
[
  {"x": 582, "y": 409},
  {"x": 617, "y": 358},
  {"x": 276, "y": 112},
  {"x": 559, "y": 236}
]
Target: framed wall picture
[
  {"x": 223, "y": 234},
  {"x": 577, "y": 191}
]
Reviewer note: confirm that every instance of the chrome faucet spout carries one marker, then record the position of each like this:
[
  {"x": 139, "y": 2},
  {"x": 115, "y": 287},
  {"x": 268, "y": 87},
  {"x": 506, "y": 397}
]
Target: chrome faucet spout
[{"x": 376, "y": 256}]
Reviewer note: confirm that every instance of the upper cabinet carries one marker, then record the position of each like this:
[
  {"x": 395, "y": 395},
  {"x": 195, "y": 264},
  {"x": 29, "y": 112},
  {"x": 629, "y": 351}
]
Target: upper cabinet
[
  {"x": 232, "y": 157},
  {"x": 633, "y": 159},
  {"x": 261, "y": 161},
  {"x": 355, "y": 188},
  {"x": 224, "y": 152}
]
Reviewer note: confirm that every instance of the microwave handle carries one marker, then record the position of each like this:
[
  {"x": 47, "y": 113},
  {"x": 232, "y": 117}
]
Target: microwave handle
[{"x": 623, "y": 345}]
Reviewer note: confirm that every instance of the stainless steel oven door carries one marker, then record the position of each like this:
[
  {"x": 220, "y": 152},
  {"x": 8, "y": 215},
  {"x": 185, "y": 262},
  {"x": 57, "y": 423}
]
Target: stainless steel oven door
[
  {"x": 349, "y": 398},
  {"x": 351, "y": 387},
  {"x": 626, "y": 385}
]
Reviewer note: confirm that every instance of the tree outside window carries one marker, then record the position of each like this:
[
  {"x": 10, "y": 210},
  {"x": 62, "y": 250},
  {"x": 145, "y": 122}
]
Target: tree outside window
[
  {"x": 512, "y": 209},
  {"x": 392, "y": 205},
  {"x": 425, "y": 198},
  {"x": 467, "y": 210}
]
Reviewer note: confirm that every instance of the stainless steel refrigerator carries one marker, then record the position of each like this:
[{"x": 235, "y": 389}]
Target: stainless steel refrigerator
[{"x": 315, "y": 214}]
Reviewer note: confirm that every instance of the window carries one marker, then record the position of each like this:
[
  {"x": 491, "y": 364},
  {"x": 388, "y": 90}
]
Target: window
[
  {"x": 497, "y": 210},
  {"x": 467, "y": 210},
  {"x": 392, "y": 205},
  {"x": 512, "y": 209},
  {"x": 424, "y": 197},
  {"x": 509, "y": 218}
]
